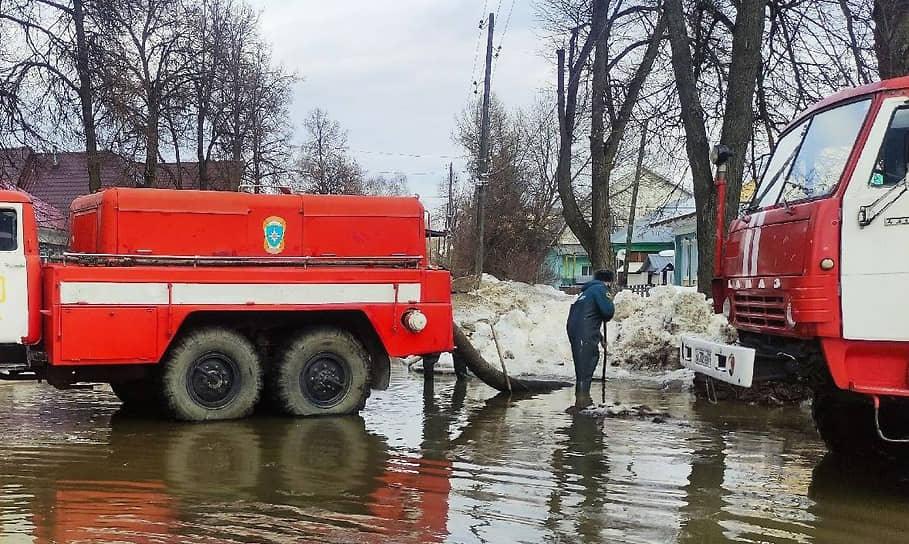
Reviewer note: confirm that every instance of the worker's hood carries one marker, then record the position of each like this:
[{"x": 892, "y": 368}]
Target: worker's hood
[{"x": 590, "y": 284}]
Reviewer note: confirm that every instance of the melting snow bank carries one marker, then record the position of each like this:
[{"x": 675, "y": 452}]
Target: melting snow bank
[
  {"x": 649, "y": 329},
  {"x": 528, "y": 321}
]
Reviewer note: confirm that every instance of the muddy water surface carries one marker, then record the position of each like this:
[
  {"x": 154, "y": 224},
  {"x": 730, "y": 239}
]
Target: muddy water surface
[{"x": 452, "y": 466}]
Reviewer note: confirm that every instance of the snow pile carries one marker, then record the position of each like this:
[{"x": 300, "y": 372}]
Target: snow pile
[
  {"x": 648, "y": 329},
  {"x": 619, "y": 410},
  {"x": 529, "y": 324}
]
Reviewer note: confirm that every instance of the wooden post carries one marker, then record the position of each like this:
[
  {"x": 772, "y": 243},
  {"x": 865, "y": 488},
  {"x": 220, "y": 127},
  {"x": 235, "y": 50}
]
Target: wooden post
[
  {"x": 634, "y": 202},
  {"x": 482, "y": 162}
]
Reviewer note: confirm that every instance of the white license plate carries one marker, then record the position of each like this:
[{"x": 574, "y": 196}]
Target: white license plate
[{"x": 702, "y": 357}]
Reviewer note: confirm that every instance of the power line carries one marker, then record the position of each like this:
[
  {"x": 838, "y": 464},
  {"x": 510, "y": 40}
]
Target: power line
[
  {"x": 472, "y": 87},
  {"x": 498, "y": 9},
  {"x": 402, "y": 154},
  {"x": 504, "y": 32},
  {"x": 400, "y": 173}
]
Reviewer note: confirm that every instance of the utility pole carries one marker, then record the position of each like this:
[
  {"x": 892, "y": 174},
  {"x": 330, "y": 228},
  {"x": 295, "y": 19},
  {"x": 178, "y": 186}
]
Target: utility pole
[
  {"x": 449, "y": 215},
  {"x": 482, "y": 163},
  {"x": 638, "y": 172}
]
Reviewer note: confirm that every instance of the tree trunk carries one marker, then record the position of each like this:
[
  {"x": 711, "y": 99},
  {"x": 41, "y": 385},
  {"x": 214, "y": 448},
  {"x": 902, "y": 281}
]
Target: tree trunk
[
  {"x": 178, "y": 179},
  {"x": 601, "y": 249},
  {"x": 696, "y": 143},
  {"x": 567, "y": 106},
  {"x": 151, "y": 147},
  {"x": 738, "y": 117},
  {"x": 200, "y": 148},
  {"x": 736, "y": 120},
  {"x": 891, "y": 37},
  {"x": 93, "y": 162}
]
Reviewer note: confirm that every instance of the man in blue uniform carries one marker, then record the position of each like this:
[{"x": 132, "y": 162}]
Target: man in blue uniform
[{"x": 592, "y": 309}]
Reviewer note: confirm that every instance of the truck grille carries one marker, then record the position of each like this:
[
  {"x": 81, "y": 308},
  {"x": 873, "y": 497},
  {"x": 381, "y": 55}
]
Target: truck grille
[{"x": 760, "y": 310}]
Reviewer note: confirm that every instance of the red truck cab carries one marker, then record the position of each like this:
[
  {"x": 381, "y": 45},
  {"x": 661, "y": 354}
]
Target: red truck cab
[
  {"x": 813, "y": 275},
  {"x": 20, "y": 294}
]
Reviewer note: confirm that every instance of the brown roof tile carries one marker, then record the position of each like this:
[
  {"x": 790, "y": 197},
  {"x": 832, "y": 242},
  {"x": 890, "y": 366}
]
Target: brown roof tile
[{"x": 59, "y": 178}]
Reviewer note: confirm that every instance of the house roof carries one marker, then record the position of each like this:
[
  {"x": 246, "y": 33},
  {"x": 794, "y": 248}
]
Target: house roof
[
  {"x": 46, "y": 215},
  {"x": 644, "y": 232},
  {"x": 625, "y": 183},
  {"x": 570, "y": 249},
  {"x": 677, "y": 209},
  {"x": 685, "y": 208},
  {"x": 657, "y": 263},
  {"x": 59, "y": 178}
]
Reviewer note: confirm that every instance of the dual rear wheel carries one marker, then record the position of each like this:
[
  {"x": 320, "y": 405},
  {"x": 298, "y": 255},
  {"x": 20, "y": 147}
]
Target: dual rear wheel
[{"x": 216, "y": 373}]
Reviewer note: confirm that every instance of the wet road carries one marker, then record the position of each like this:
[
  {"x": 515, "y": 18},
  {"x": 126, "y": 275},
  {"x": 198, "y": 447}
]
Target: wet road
[{"x": 454, "y": 466}]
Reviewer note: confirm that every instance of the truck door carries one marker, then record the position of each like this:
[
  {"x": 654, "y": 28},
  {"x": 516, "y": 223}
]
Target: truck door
[
  {"x": 875, "y": 232},
  {"x": 13, "y": 282}
]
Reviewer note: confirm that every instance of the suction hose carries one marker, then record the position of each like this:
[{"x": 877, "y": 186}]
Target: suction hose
[{"x": 466, "y": 355}]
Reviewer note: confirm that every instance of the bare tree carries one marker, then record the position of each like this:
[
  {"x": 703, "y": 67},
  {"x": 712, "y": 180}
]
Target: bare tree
[
  {"x": 209, "y": 46},
  {"x": 382, "y": 185},
  {"x": 323, "y": 164},
  {"x": 521, "y": 189},
  {"x": 58, "y": 57},
  {"x": 267, "y": 143},
  {"x": 146, "y": 62},
  {"x": 891, "y": 37},
  {"x": 618, "y": 62},
  {"x": 745, "y": 65}
]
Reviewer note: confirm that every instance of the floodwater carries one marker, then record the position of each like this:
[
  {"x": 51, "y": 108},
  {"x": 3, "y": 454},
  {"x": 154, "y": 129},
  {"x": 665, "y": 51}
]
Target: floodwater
[{"x": 455, "y": 465}]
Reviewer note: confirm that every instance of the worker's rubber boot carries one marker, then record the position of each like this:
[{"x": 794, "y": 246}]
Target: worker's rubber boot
[
  {"x": 460, "y": 368},
  {"x": 582, "y": 399},
  {"x": 429, "y": 367}
]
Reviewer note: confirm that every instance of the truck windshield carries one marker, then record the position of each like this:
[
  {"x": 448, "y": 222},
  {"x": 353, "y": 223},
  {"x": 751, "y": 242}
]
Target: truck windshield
[{"x": 809, "y": 159}]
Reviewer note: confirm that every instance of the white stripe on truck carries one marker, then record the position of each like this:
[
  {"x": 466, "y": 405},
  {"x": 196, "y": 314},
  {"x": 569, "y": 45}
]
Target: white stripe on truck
[{"x": 199, "y": 294}]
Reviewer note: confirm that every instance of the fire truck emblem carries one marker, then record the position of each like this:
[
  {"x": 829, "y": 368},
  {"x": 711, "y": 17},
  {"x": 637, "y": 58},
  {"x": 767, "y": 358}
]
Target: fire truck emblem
[{"x": 275, "y": 228}]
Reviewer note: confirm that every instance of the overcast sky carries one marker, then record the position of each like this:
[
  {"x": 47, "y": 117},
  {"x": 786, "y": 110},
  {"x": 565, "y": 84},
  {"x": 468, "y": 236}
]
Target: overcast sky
[{"x": 395, "y": 73}]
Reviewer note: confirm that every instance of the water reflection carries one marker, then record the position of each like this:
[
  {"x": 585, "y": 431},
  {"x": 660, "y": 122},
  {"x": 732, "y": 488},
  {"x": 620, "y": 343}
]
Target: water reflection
[
  {"x": 580, "y": 469},
  {"x": 441, "y": 464}
]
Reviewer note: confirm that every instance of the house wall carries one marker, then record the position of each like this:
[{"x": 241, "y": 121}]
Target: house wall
[
  {"x": 636, "y": 279},
  {"x": 686, "y": 259},
  {"x": 574, "y": 269}
]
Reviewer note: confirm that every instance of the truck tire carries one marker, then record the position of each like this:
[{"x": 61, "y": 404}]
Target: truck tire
[
  {"x": 845, "y": 422},
  {"x": 323, "y": 371},
  {"x": 138, "y": 395},
  {"x": 210, "y": 374}
]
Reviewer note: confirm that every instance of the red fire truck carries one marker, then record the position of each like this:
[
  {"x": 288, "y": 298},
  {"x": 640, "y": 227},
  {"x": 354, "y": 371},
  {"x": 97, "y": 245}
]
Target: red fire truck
[
  {"x": 198, "y": 301},
  {"x": 813, "y": 274}
]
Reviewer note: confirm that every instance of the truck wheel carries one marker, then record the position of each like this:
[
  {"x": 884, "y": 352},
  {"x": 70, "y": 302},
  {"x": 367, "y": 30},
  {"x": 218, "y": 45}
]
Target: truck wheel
[
  {"x": 210, "y": 374},
  {"x": 845, "y": 422},
  {"x": 137, "y": 394},
  {"x": 323, "y": 371}
]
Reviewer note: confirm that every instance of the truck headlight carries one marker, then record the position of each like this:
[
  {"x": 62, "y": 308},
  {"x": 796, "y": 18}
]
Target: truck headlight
[
  {"x": 415, "y": 320},
  {"x": 727, "y": 308},
  {"x": 789, "y": 319}
]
